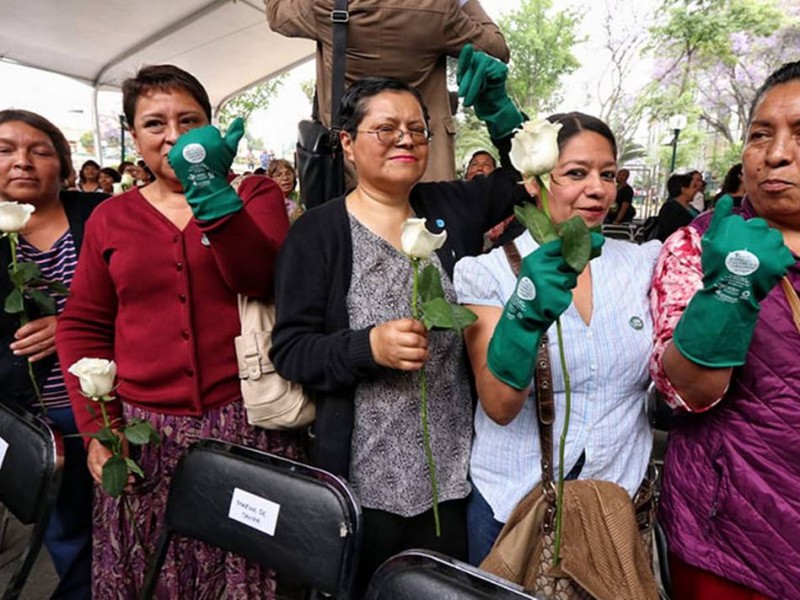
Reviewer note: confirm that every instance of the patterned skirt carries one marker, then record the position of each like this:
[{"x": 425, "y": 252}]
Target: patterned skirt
[{"x": 126, "y": 529}]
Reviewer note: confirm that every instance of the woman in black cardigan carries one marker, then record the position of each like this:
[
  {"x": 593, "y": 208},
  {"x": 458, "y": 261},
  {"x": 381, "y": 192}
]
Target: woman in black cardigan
[{"x": 343, "y": 330}]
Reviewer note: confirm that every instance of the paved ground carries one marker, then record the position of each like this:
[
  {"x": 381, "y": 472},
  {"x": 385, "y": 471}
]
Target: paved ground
[{"x": 42, "y": 580}]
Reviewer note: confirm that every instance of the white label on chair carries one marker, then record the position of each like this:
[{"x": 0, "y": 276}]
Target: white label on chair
[
  {"x": 3, "y": 449},
  {"x": 254, "y": 511}
]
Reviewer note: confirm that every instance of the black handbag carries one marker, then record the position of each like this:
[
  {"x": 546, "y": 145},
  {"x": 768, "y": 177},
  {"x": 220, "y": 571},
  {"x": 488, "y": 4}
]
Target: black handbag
[{"x": 319, "y": 159}]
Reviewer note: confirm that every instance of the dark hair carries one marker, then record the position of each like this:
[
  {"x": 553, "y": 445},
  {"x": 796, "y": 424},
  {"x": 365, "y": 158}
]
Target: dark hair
[
  {"x": 87, "y": 163},
  {"x": 260, "y": 171},
  {"x": 353, "y": 107},
  {"x": 54, "y": 133},
  {"x": 573, "y": 123},
  {"x": 162, "y": 78},
  {"x": 676, "y": 183},
  {"x": 786, "y": 73},
  {"x": 124, "y": 165},
  {"x": 732, "y": 181},
  {"x": 482, "y": 153},
  {"x": 148, "y": 172},
  {"x": 113, "y": 173}
]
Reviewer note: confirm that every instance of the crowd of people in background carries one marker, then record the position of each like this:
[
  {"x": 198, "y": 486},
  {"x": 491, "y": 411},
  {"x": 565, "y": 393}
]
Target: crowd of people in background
[{"x": 156, "y": 256}]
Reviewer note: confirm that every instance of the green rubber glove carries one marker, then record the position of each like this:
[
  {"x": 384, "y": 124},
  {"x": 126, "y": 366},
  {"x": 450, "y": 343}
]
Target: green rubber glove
[
  {"x": 742, "y": 262},
  {"x": 202, "y": 159},
  {"x": 482, "y": 83},
  {"x": 543, "y": 292}
]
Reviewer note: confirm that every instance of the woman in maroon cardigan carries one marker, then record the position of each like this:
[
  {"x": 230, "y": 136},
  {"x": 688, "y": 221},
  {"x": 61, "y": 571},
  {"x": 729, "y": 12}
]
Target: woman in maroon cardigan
[{"x": 155, "y": 290}]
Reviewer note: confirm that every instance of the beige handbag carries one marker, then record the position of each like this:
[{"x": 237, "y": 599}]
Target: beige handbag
[{"x": 270, "y": 401}]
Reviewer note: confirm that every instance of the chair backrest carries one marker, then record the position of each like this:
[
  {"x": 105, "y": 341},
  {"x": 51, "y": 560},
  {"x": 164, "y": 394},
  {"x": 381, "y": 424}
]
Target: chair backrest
[
  {"x": 301, "y": 521},
  {"x": 416, "y": 574},
  {"x": 31, "y": 458},
  {"x": 31, "y": 461}
]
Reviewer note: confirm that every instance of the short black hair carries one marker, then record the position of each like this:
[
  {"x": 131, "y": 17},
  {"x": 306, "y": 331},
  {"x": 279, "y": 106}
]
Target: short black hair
[
  {"x": 676, "y": 184},
  {"x": 113, "y": 173},
  {"x": 161, "y": 78},
  {"x": 353, "y": 107},
  {"x": 37, "y": 121},
  {"x": 784, "y": 74}
]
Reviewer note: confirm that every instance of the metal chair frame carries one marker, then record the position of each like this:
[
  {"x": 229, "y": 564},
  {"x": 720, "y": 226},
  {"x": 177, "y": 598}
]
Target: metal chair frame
[{"x": 30, "y": 478}]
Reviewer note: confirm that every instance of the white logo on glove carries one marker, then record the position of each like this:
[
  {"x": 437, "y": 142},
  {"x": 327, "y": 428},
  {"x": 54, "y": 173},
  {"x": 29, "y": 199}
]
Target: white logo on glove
[
  {"x": 742, "y": 262},
  {"x": 194, "y": 153},
  {"x": 526, "y": 290}
]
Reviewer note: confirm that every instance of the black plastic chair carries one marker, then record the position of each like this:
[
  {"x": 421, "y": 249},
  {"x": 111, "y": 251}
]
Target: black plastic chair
[
  {"x": 31, "y": 460},
  {"x": 423, "y": 574},
  {"x": 299, "y": 520}
]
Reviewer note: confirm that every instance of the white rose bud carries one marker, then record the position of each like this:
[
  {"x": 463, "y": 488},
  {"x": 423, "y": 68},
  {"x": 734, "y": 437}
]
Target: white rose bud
[
  {"x": 127, "y": 182},
  {"x": 14, "y": 216},
  {"x": 417, "y": 241},
  {"x": 534, "y": 149},
  {"x": 96, "y": 376}
]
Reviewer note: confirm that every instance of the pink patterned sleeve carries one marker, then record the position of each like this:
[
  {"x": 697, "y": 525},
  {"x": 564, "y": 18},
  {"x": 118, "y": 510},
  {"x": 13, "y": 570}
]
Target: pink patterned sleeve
[{"x": 678, "y": 275}]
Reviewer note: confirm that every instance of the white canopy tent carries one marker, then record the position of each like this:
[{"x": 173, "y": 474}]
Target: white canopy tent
[{"x": 226, "y": 44}]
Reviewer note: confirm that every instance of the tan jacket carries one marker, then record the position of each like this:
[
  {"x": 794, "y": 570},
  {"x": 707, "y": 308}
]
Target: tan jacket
[
  {"x": 408, "y": 40},
  {"x": 601, "y": 547}
]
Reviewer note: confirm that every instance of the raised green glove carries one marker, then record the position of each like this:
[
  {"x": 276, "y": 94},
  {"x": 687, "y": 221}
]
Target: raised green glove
[
  {"x": 742, "y": 262},
  {"x": 482, "y": 83},
  {"x": 202, "y": 159},
  {"x": 543, "y": 292}
]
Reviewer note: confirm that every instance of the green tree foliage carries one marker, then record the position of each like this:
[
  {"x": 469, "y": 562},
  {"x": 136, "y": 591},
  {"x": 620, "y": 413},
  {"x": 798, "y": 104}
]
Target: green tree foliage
[
  {"x": 713, "y": 54},
  {"x": 541, "y": 42},
  {"x": 255, "y": 98}
]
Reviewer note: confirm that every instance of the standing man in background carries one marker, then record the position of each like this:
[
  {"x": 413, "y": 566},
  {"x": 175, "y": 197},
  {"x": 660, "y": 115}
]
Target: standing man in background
[
  {"x": 396, "y": 38},
  {"x": 624, "y": 203}
]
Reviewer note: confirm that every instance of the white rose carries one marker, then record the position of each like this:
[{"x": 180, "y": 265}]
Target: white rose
[
  {"x": 127, "y": 182},
  {"x": 417, "y": 241},
  {"x": 14, "y": 216},
  {"x": 96, "y": 375},
  {"x": 534, "y": 150}
]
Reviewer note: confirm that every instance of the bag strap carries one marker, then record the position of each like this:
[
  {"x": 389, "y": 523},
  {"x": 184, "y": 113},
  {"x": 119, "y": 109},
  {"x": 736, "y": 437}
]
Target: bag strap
[
  {"x": 545, "y": 402},
  {"x": 339, "y": 17},
  {"x": 794, "y": 301}
]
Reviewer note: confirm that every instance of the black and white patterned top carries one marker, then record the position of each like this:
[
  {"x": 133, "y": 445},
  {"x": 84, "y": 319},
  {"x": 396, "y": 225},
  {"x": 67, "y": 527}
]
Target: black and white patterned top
[{"x": 388, "y": 467}]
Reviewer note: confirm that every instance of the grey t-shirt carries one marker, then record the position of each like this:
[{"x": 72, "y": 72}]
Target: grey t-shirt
[{"x": 388, "y": 468}]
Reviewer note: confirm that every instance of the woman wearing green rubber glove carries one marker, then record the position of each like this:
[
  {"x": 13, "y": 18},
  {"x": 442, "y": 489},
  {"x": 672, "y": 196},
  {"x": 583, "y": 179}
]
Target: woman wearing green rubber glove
[
  {"x": 605, "y": 317},
  {"x": 727, "y": 340},
  {"x": 156, "y": 290}
]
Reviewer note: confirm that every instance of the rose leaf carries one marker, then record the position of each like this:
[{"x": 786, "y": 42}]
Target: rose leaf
[
  {"x": 115, "y": 475},
  {"x": 439, "y": 313},
  {"x": 14, "y": 303},
  {"x": 577, "y": 243},
  {"x": 430, "y": 284},
  {"x": 536, "y": 222}
]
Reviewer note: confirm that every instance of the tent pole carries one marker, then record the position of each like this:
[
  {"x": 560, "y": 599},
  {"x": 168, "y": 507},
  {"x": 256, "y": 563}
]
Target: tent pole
[{"x": 98, "y": 152}]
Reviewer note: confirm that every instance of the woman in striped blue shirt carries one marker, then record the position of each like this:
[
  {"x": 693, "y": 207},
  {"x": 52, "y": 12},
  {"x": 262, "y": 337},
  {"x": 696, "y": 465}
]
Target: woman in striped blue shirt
[
  {"x": 34, "y": 159},
  {"x": 607, "y": 329}
]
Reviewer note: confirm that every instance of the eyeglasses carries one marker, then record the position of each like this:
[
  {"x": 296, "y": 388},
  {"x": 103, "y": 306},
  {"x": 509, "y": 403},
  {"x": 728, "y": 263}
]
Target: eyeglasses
[{"x": 389, "y": 136}]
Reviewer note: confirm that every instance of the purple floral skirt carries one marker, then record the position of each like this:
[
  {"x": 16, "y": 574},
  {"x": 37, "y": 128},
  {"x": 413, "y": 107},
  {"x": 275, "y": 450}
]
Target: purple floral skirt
[{"x": 126, "y": 529}]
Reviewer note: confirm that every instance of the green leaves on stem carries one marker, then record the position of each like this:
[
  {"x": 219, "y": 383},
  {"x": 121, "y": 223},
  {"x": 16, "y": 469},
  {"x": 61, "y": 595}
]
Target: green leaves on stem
[
  {"x": 429, "y": 305},
  {"x": 575, "y": 235},
  {"x": 576, "y": 247},
  {"x": 118, "y": 467},
  {"x": 437, "y": 312},
  {"x": 27, "y": 283}
]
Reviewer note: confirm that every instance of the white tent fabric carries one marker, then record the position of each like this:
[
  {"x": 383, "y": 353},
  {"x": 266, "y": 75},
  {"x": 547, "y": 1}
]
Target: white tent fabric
[{"x": 226, "y": 44}]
